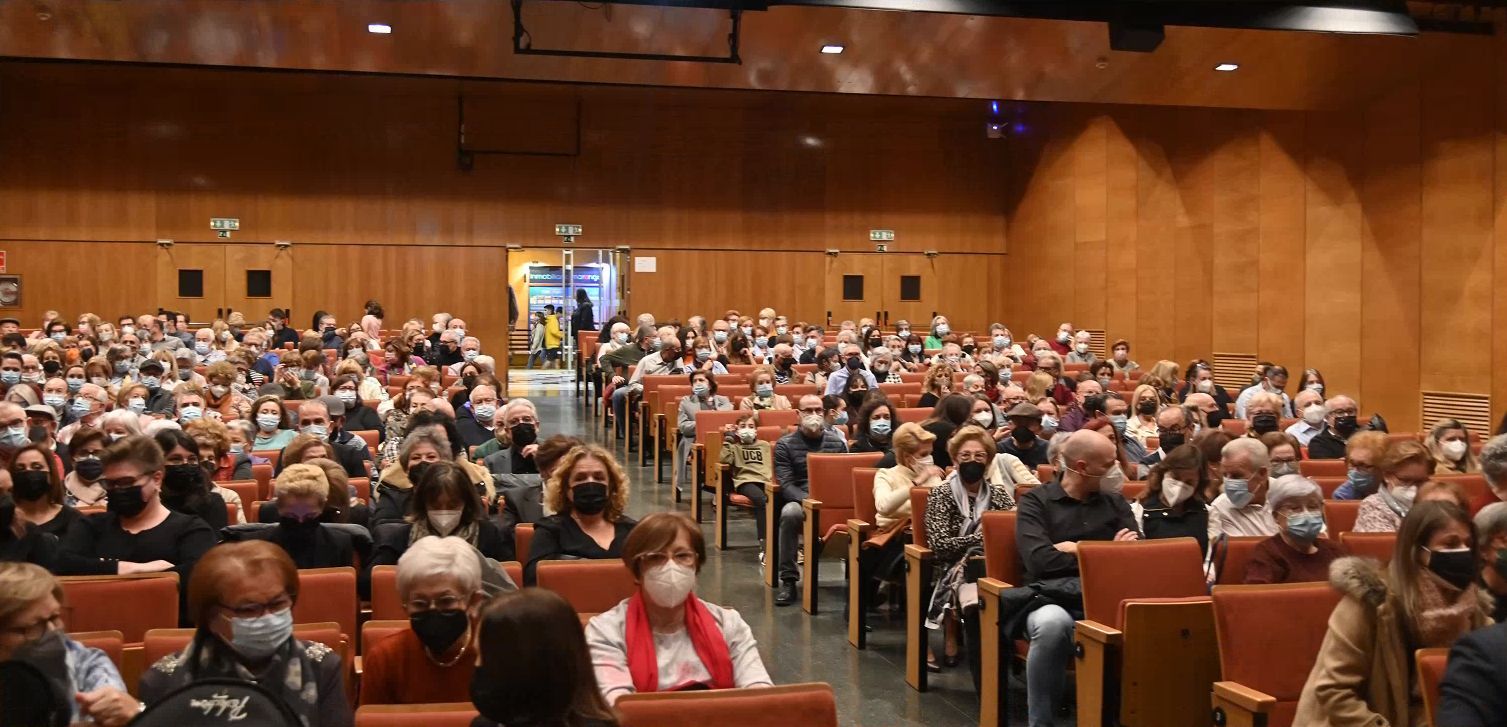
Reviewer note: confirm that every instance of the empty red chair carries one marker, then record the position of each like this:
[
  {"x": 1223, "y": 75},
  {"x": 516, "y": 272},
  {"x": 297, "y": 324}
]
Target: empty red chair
[
  {"x": 918, "y": 581},
  {"x": 805, "y": 705},
  {"x": 1430, "y": 664},
  {"x": 327, "y": 595},
  {"x": 386, "y": 605},
  {"x": 1323, "y": 468},
  {"x": 1231, "y": 557},
  {"x": 1260, "y": 682},
  {"x": 828, "y": 506},
  {"x": 113, "y": 643},
  {"x": 591, "y": 586},
  {"x": 1002, "y": 568},
  {"x": 132, "y": 605},
  {"x": 1339, "y": 516},
  {"x": 1370, "y": 545}
]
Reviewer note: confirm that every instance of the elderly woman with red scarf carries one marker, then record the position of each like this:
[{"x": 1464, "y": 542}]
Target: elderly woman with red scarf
[{"x": 663, "y": 638}]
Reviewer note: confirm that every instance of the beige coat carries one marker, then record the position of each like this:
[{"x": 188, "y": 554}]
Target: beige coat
[{"x": 1361, "y": 675}]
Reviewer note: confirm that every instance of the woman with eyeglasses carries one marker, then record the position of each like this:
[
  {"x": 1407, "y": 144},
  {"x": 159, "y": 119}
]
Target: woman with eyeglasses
[
  {"x": 137, "y": 533},
  {"x": 663, "y": 638},
  {"x": 185, "y": 484},
  {"x": 240, "y": 600},
  {"x": 32, "y": 630},
  {"x": 439, "y": 582}
]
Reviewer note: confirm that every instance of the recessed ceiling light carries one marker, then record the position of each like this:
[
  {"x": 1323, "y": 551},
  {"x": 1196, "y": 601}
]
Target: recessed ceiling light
[
  {"x": 831, "y": 49},
  {"x": 379, "y": 28},
  {"x": 1227, "y": 67}
]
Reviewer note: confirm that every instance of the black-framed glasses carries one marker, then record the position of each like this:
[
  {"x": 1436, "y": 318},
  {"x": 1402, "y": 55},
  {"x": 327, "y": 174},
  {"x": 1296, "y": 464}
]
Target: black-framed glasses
[
  {"x": 258, "y": 610},
  {"x": 446, "y": 602},
  {"x": 34, "y": 631},
  {"x": 122, "y": 483}
]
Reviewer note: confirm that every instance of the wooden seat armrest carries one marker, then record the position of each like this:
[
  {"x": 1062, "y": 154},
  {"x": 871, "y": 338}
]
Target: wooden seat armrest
[
  {"x": 811, "y": 505},
  {"x": 859, "y": 530},
  {"x": 1243, "y": 697},
  {"x": 771, "y": 489},
  {"x": 992, "y": 587},
  {"x": 916, "y": 552},
  {"x": 1099, "y": 633}
]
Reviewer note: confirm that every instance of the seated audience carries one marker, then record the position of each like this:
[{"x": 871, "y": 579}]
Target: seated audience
[
  {"x": 1426, "y": 597},
  {"x": 664, "y": 638},
  {"x": 518, "y": 632},
  {"x": 1025, "y": 442},
  {"x": 704, "y": 397},
  {"x": 747, "y": 466},
  {"x": 1363, "y": 455},
  {"x": 32, "y": 610},
  {"x": 1173, "y": 505},
  {"x": 914, "y": 467},
  {"x": 213, "y": 438},
  {"x": 443, "y": 503},
  {"x": 1052, "y": 519},
  {"x": 513, "y": 449},
  {"x": 185, "y": 485},
  {"x": 761, "y": 383},
  {"x": 1241, "y": 508},
  {"x": 873, "y": 423},
  {"x": 520, "y": 498},
  {"x": 241, "y": 601},
  {"x": 1473, "y": 692},
  {"x": 477, "y": 422},
  {"x": 81, "y": 486},
  {"x": 439, "y": 583},
  {"x": 1448, "y": 443},
  {"x": 790, "y": 454},
  {"x": 589, "y": 493},
  {"x": 1283, "y": 453},
  {"x": 1494, "y": 471},
  {"x": 37, "y": 489},
  {"x": 1298, "y": 552},
  {"x": 1340, "y": 424},
  {"x": 137, "y": 533},
  {"x": 1491, "y": 531},
  {"x": 273, "y": 428},
  {"x": 1308, "y": 405},
  {"x": 300, "y": 506},
  {"x": 1405, "y": 467}
]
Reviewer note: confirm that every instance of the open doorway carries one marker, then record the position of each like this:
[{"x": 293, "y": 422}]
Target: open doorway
[{"x": 554, "y": 278}]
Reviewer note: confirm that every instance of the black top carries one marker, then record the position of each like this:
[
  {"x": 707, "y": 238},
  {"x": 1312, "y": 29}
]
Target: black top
[
  {"x": 472, "y": 434},
  {"x": 1034, "y": 457},
  {"x": 790, "y": 461},
  {"x": 34, "y": 546},
  {"x": 927, "y": 401},
  {"x": 1473, "y": 692},
  {"x": 59, "y": 524},
  {"x": 944, "y": 431},
  {"x": 1326, "y": 445},
  {"x": 362, "y": 418},
  {"x": 582, "y": 319},
  {"x": 1048, "y": 515},
  {"x": 323, "y": 548},
  {"x": 559, "y": 537},
  {"x": 180, "y": 540},
  {"x": 521, "y": 503},
  {"x": 1158, "y": 521},
  {"x": 283, "y": 336},
  {"x": 392, "y": 542},
  {"x": 354, "y": 515},
  {"x": 208, "y": 506}
]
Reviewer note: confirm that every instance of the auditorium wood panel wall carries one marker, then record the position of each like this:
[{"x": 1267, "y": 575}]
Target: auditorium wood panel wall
[{"x": 1370, "y": 243}]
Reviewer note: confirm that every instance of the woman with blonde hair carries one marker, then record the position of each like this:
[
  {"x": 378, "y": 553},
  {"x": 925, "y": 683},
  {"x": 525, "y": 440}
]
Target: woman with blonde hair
[
  {"x": 761, "y": 383},
  {"x": 1405, "y": 467},
  {"x": 1448, "y": 443},
  {"x": 1163, "y": 378},
  {"x": 1426, "y": 597},
  {"x": 1144, "y": 404},
  {"x": 588, "y": 492},
  {"x": 937, "y": 384},
  {"x": 1038, "y": 384}
]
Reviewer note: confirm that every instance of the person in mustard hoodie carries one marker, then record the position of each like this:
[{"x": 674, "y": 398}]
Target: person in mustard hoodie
[
  {"x": 1426, "y": 597},
  {"x": 552, "y": 337}
]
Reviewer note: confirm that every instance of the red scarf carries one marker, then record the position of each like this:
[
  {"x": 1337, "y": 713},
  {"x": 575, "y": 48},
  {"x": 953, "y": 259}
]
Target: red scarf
[{"x": 706, "y": 638}]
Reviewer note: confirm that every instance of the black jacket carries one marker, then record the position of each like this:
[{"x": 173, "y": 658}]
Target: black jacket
[
  {"x": 1326, "y": 445},
  {"x": 1474, "y": 690},
  {"x": 327, "y": 548},
  {"x": 1157, "y": 521},
  {"x": 472, "y": 434},
  {"x": 582, "y": 319},
  {"x": 790, "y": 461},
  {"x": 522, "y": 502},
  {"x": 392, "y": 542},
  {"x": 362, "y": 418}
]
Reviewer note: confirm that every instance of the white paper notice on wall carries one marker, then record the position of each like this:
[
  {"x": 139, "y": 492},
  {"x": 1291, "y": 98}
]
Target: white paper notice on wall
[{"x": 645, "y": 264}]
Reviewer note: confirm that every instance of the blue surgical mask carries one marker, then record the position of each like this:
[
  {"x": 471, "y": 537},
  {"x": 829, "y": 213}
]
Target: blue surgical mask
[
  {"x": 81, "y": 406},
  {"x": 151, "y": 382},
  {"x": 136, "y": 404},
  {"x": 10, "y": 378},
  {"x": 346, "y": 396},
  {"x": 317, "y": 430},
  {"x": 1305, "y": 526},
  {"x": 764, "y": 389},
  {"x": 55, "y": 401},
  {"x": 621, "y": 338},
  {"x": 258, "y": 638},
  {"x": 485, "y": 412},
  {"x": 1001, "y": 342},
  {"x": 74, "y": 385},
  {"x": 189, "y": 413},
  {"x": 1118, "y": 421},
  {"x": 15, "y": 437},
  {"x": 1239, "y": 491},
  {"x": 121, "y": 367},
  {"x": 470, "y": 355},
  {"x": 1360, "y": 482},
  {"x": 201, "y": 348},
  {"x": 841, "y": 418},
  {"x": 914, "y": 348},
  {"x": 943, "y": 329},
  {"x": 879, "y": 426},
  {"x": 700, "y": 389},
  {"x": 268, "y": 422},
  {"x": 58, "y": 337},
  {"x": 719, "y": 336}
]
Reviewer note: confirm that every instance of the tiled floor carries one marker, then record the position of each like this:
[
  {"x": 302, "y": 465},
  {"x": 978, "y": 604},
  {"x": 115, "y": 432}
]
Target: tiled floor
[{"x": 797, "y": 647}]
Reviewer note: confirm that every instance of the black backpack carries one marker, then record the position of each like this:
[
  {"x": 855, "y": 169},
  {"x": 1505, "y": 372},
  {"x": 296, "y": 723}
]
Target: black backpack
[
  {"x": 29, "y": 698},
  {"x": 218, "y": 701}
]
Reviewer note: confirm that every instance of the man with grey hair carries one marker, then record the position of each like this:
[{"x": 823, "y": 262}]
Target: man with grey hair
[
  {"x": 1296, "y": 553},
  {"x": 1340, "y": 422},
  {"x": 1241, "y": 508},
  {"x": 470, "y": 348},
  {"x": 1491, "y": 534},
  {"x": 1494, "y": 469},
  {"x": 475, "y": 426},
  {"x": 1309, "y": 406},
  {"x": 518, "y": 426}
]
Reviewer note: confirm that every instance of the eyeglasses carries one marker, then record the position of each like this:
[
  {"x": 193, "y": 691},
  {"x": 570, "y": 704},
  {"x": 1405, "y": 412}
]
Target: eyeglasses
[
  {"x": 258, "y": 610},
  {"x": 36, "y": 630},
  {"x": 447, "y": 602},
  {"x": 686, "y": 558},
  {"x": 121, "y": 483}
]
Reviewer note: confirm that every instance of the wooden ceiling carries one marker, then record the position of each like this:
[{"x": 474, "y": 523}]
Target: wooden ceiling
[{"x": 890, "y": 53}]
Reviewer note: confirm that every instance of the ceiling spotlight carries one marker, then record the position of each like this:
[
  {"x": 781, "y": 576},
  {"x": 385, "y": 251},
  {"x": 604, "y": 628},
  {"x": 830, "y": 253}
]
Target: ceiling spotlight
[
  {"x": 379, "y": 28},
  {"x": 1227, "y": 67},
  {"x": 831, "y": 49}
]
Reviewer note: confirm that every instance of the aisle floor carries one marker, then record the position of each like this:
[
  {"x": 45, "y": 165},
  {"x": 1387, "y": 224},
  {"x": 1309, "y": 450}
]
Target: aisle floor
[{"x": 797, "y": 647}]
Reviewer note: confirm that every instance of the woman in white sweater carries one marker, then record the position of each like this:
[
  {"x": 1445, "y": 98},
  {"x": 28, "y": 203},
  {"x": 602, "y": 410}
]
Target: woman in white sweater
[{"x": 913, "y": 468}]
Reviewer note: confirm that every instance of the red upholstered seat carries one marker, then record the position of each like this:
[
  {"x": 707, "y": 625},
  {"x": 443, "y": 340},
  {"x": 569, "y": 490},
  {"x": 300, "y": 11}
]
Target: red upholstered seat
[
  {"x": 1246, "y": 617},
  {"x": 803, "y": 705}
]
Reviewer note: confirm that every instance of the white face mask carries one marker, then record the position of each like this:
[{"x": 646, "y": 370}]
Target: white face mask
[
  {"x": 1175, "y": 491},
  {"x": 670, "y": 584},
  {"x": 1313, "y": 414},
  {"x": 924, "y": 462},
  {"x": 747, "y": 435},
  {"x": 984, "y": 419},
  {"x": 444, "y": 521},
  {"x": 1405, "y": 494},
  {"x": 1113, "y": 480},
  {"x": 1454, "y": 450}
]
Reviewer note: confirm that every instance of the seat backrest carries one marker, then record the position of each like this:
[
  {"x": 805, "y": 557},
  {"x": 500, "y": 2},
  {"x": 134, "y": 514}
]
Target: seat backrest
[
  {"x": 919, "y": 496},
  {"x": 915, "y": 414},
  {"x": 246, "y": 489},
  {"x": 1234, "y": 554},
  {"x": 1233, "y": 427},
  {"x": 794, "y": 392},
  {"x": 262, "y": 473},
  {"x": 807, "y": 705},
  {"x": 901, "y": 389},
  {"x": 1431, "y": 664},
  {"x": 1001, "y": 558},
  {"x": 386, "y": 605},
  {"x": 668, "y": 400},
  {"x": 372, "y": 437},
  {"x": 1328, "y": 484},
  {"x": 1323, "y": 467},
  {"x": 1370, "y": 545},
  {"x": 271, "y": 455},
  {"x": 1246, "y": 619},
  {"x": 113, "y": 643},
  {"x": 863, "y": 494},
  {"x": 1112, "y": 572},
  {"x": 232, "y": 513},
  {"x": 830, "y": 480},
  {"x": 327, "y": 595},
  {"x": 591, "y": 586},
  {"x": 1474, "y": 484},
  {"x": 523, "y": 539},
  {"x": 254, "y": 512},
  {"x": 1133, "y": 490},
  {"x": 363, "y": 487},
  {"x": 373, "y": 632},
  {"x": 1339, "y": 516},
  {"x": 158, "y": 643},
  {"x": 131, "y": 604}
]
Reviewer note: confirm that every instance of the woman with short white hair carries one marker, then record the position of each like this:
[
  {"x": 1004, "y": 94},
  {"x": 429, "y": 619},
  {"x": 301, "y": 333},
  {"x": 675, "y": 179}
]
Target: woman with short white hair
[
  {"x": 439, "y": 583},
  {"x": 120, "y": 424},
  {"x": 1299, "y": 552}
]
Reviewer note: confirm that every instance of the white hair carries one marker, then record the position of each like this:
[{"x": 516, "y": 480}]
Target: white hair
[
  {"x": 432, "y": 555},
  {"x": 1290, "y": 487},
  {"x": 518, "y": 403},
  {"x": 1494, "y": 460},
  {"x": 1491, "y": 522},
  {"x": 485, "y": 363},
  {"x": 124, "y": 417},
  {"x": 158, "y": 425},
  {"x": 1251, "y": 447}
]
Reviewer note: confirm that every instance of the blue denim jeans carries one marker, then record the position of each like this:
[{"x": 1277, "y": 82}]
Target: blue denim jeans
[{"x": 1050, "y": 630}]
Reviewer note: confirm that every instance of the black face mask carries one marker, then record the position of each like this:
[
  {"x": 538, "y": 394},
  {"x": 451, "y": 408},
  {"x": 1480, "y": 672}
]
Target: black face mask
[
  {"x": 1344, "y": 425},
  {"x": 969, "y": 349},
  {"x": 1146, "y": 408},
  {"x": 875, "y": 343},
  {"x": 589, "y": 498},
  {"x": 7, "y": 515},
  {"x": 51, "y": 367},
  {"x": 855, "y": 400},
  {"x": 1171, "y": 441},
  {"x": 468, "y": 381},
  {"x": 854, "y": 363},
  {"x": 30, "y": 484},
  {"x": 1215, "y": 417},
  {"x": 1457, "y": 567},
  {"x": 84, "y": 354},
  {"x": 1264, "y": 423},
  {"x": 523, "y": 435},
  {"x": 180, "y": 479},
  {"x": 126, "y": 501},
  {"x": 295, "y": 529},
  {"x": 1022, "y": 434},
  {"x": 971, "y": 471},
  {"x": 787, "y": 362},
  {"x": 438, "y": 630}
]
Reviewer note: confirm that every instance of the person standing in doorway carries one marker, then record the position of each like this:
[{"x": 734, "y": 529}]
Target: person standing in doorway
[
  {"x": 552, "y": 337},
  {"x": 536, "y": 340}
]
